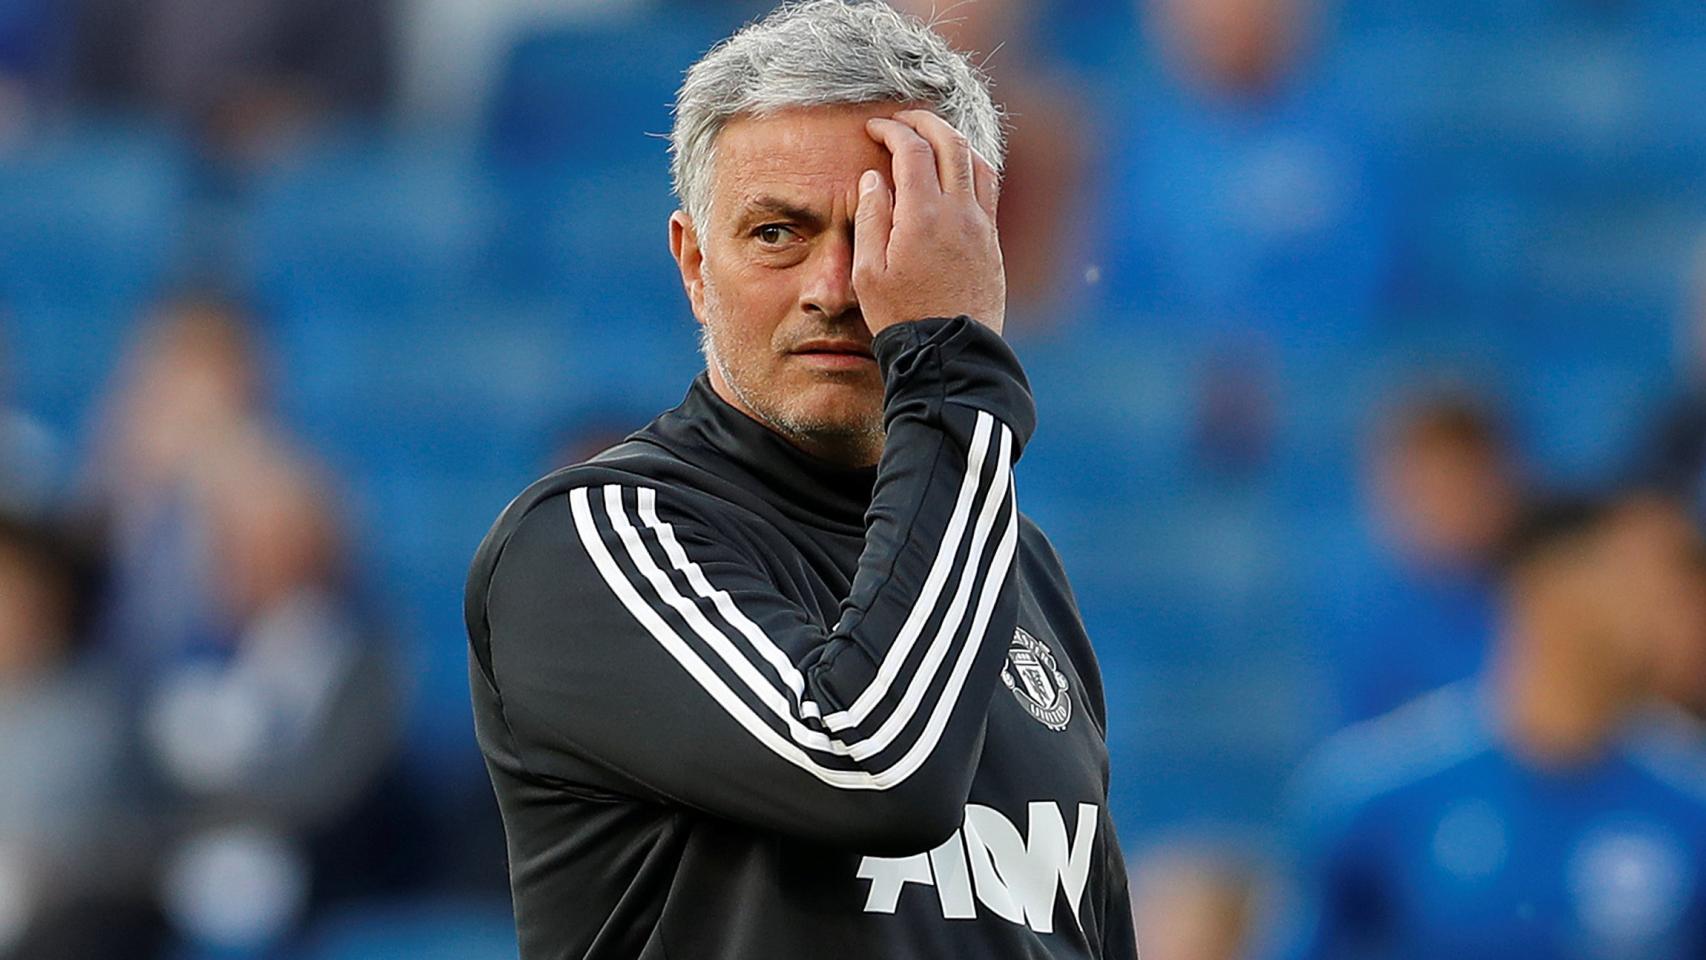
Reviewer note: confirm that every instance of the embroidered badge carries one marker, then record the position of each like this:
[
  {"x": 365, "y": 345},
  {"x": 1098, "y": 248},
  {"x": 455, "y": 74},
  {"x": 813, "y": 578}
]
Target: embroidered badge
[{"x": 1036, "y": 681}]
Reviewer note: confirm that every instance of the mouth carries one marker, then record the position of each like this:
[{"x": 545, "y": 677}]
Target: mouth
[{"x": 835, "y": 353}]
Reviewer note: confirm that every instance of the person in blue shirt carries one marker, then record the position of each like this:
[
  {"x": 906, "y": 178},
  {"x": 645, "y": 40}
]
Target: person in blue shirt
[
  {"x": 1417, "y": 611},
  {"x": 1544, "y": 809},
  {"x": 1244, "y": 199}
]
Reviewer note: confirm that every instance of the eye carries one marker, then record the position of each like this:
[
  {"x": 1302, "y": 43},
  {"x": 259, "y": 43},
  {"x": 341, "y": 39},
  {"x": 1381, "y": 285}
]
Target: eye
[{"x": 773, "y": 234}]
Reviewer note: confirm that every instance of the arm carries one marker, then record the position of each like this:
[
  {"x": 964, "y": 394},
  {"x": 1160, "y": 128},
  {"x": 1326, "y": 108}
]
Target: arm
[{"x": 626, "y": 634}]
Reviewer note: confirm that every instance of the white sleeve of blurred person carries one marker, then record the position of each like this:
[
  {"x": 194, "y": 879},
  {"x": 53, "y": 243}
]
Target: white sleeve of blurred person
[
  {"x": 451, "y": 51},
  {"x": 299, "y": 720}
]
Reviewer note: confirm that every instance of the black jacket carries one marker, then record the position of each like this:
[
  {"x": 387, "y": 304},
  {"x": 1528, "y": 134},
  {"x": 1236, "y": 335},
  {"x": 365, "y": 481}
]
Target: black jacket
[{"x": 739, "y": 703}]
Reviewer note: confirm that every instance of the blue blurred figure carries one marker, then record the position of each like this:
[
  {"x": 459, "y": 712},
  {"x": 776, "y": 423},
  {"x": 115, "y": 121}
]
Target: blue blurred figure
[
  {"x": 1444, "y": 486},
  {"x": 1243, "y": 197},
  {"x": 1546, "y": 810}
]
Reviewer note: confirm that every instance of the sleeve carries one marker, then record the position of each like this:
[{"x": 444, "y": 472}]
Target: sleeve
[{"x": 627, "y": 634}]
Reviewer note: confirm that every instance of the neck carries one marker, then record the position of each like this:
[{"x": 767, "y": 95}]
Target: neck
[
  {"x": 1555, "y": 712},
  {"x": 851, "y": 449}
]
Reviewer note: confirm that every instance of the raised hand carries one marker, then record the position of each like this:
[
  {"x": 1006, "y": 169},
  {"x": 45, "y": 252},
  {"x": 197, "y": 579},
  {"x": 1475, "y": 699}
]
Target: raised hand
[{"x": 928, "y": 247}]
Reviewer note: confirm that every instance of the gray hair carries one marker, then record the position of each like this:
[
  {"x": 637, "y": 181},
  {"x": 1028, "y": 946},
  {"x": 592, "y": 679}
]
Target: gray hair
[{"x": 823, "y": 53}]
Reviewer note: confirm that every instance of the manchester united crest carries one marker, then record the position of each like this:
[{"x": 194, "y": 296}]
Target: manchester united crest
[{"x": 1036, "y": 681}]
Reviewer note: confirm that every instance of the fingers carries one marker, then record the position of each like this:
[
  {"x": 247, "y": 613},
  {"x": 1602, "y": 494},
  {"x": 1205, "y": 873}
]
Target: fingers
[
  {"x": 988, "y": 184},
  {"x": 872, "y": 221},
  {"x": 912, "y": 157},
  {"x": 953, "y": 151}
]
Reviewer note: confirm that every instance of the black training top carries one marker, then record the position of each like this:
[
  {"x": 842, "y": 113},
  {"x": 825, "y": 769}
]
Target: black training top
[{"x": 739, "y": 703}]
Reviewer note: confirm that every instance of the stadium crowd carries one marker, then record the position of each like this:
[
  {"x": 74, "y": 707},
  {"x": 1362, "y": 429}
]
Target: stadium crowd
[{"x": 1368, "y": 338}]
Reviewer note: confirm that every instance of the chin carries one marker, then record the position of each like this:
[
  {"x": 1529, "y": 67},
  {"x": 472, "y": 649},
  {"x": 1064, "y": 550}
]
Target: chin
[{"x": 843, "y": 407}]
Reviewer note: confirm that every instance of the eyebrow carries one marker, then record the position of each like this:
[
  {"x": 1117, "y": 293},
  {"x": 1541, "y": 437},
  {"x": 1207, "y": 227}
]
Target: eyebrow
[{"x": 767, "y": 205}]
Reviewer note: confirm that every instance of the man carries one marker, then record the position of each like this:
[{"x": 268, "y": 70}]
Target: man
[
  {"x": 786, "y": 674},
  {"x": 1549, "y": 810},
  {"x": 1445, "y": 485}
]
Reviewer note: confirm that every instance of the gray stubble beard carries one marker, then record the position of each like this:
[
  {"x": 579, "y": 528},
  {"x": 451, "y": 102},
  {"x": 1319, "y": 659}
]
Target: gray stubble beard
[{"x": 800, "y": 431}]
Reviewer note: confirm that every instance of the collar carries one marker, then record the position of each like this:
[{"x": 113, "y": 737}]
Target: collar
[{"x": 708, "y": 432}]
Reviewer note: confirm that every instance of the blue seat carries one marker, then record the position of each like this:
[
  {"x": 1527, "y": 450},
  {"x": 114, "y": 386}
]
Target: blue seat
[
  {"x": 1506, "y": 17},
  {"x": 370, "y": 222},
  {"x": 421, "y": 529},
  {"x": 596, "y": 237},
  {"x": 91, "y": 225},
  {"x": 1583, "y": 416},
  {"x": 1671, "y": 18},
  {"x": 594, "y": 94}
]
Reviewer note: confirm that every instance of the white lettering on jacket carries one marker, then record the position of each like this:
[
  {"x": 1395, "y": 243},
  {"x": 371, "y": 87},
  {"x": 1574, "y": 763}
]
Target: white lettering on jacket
[{"x": 1013, "y": 877}]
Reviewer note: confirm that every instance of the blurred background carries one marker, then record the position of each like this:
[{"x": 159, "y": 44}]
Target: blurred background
[{"x": 296, "y": 294}]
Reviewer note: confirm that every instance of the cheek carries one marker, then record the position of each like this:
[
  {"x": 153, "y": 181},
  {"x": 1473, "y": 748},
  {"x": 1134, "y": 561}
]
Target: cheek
[{"x": 747, "y": 305}]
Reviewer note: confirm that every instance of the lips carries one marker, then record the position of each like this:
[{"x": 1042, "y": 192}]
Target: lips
[{"x": 848, "y": 348}]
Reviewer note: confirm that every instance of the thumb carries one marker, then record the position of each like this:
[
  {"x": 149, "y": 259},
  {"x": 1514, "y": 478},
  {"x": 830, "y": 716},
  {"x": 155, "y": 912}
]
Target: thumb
[{"x": 872, "y": 222}]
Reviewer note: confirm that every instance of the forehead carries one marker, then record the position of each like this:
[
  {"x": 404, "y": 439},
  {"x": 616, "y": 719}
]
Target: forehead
[{"x": 805, "y": 153}]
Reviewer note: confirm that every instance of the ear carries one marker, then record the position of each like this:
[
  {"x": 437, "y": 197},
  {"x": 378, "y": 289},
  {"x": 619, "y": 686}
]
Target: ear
[{"x": 689, "y": 259}]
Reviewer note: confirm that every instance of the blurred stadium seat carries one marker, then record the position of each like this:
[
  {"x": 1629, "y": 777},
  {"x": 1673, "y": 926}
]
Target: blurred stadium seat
[
  {"x": 555, "y": 104},
  {"x": 93, "y": 221},
  {"x": 368, "y": 221}
]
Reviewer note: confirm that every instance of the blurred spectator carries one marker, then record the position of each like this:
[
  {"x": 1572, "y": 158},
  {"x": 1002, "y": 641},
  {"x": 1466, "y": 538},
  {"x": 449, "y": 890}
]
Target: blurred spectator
[
  {"x": 190, "y": 382},
  {"x": 264, "y": 700},
  {"x": 1544, "y": 811},
  {"x": 1042, "y": 195},
  {"x": 1677, "y": 579},
  {"x": 275, "y": 721},
  {"x": 1241, "y": 196},
  {"x": 72, "y": 860},
  {"x": 244, "y": 74},
  {"x": 191, "y": 378},
  {"x": 1445, "y": 486},
  {"x": 1192, "y": 903}
]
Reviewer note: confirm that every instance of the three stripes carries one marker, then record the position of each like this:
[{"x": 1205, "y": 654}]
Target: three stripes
[{"x": 785, "y": 698}]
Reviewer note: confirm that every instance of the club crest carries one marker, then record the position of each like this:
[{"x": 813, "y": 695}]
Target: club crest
[{"x": 1036, "y": 681}]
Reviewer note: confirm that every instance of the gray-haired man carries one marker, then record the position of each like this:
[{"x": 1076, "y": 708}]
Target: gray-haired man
[{"x": 786, "y": 674}]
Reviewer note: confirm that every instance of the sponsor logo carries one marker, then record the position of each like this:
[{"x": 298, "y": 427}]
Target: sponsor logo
[
  {"x": 989, "y": 862},
  {"x": 1036, "y": 681}
]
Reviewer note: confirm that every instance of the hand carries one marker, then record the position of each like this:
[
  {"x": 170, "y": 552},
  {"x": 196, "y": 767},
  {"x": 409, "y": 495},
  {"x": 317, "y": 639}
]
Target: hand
[{"x": 929, "y": 249}]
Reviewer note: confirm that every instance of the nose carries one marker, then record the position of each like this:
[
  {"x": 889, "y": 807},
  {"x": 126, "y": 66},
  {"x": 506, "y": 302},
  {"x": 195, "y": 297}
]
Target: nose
[{"x": 828, "y": 289}]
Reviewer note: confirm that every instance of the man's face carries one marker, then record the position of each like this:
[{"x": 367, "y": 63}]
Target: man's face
[
  {"x": 770, "y": 277},
  {"x": 1444, "y": 503}
]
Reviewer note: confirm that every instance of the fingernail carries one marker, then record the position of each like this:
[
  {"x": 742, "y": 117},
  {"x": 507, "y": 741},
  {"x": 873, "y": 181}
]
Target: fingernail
[{"x": 868, "y": 181}]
